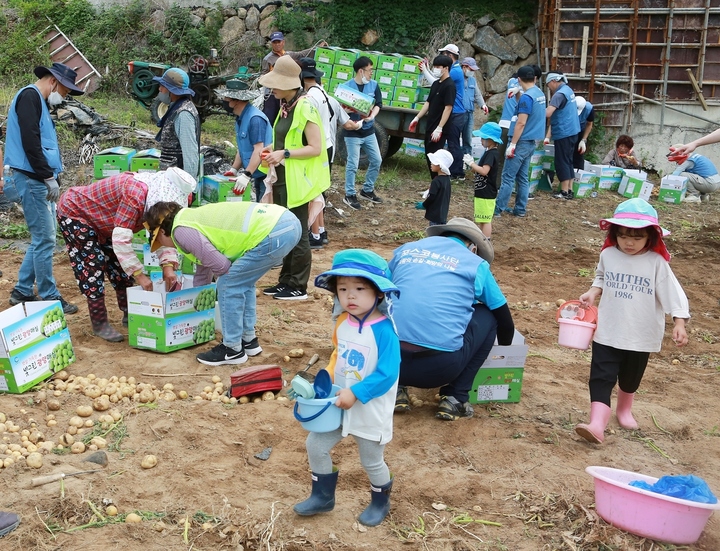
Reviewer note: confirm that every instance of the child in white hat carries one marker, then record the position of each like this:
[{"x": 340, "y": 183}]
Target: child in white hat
[
  {"x": 437, "y": 197},
  {"x": 638, "y": 288}
]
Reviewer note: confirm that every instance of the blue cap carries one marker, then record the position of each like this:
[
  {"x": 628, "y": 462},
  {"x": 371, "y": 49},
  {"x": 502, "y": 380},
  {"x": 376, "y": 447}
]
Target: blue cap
[
  {"x": 359, "y": 263},
  {"x": 490, "y": 131}
]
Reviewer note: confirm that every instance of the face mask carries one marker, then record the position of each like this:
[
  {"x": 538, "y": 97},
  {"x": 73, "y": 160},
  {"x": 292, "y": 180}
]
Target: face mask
[
  {"x": 365, "y": 80},
  {"x": 54, "y": 98},
  {"x": 436, "y": 72},
  {"x": 164, "y": 97},
  {"x": 226, "y": 106},
  {"x": 467, "y": 72}
]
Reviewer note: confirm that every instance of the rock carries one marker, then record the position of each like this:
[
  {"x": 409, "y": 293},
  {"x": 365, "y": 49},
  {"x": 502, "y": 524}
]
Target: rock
[
  {"x": 484, "y": 20},
  {"x": 487, "y": 65},
  {"x": 298, "y": 40},
  {"x": 489, "y": 42},
  {"x": 530, "y": 35},
  {"x": 99, "y": 458},
  {"x": 264, "y": 455},
  {"x": 505, "y": 26},
  {"x": 195, "y": 21},
  {"x": 266, "y": 26},
  {"x": 370, "y": 37},
  {"x": 498, "y": 82},
  {"x": 267, "y": 11},
  {"x": 242, "y": 13},
  {"x": 200, "y": 12},
  {"x": 519, "y": 45},
  {"x": 157, "y": 20},
  {"x": 466, "y": 49},
  {"x": 231, "y": 30},
  {"x": 252, "y": 19},
  {"x": 495, "y": 101},
  {"x": 227, "y": 13},
  {"x": 469, "y": 32}
]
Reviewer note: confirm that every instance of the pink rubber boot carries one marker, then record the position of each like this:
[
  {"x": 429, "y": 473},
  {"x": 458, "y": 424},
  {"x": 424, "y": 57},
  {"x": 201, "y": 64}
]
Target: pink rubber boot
[
  {"x": 624, "y": 410},
  {"x": 595, "y": 431}
]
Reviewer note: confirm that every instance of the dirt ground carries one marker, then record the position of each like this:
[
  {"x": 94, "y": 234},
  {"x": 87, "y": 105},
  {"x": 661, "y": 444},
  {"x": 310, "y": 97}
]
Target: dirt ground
[{"x": 512, "y": 478}]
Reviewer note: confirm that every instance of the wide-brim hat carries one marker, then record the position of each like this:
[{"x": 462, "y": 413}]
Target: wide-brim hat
[
  {"x": 359, "y": 263},
  {"x": 284, "y": 76},
  {"x": 64, "y": 74},
  {"x": 443, "y": 158},
  {"x": 467, "y": 229},
  {"x": 236, "y": 89},
  {"x": 634, "y": 213},
  {"x": 176, "y": 81},
  {"x": 490, "y": 131}
]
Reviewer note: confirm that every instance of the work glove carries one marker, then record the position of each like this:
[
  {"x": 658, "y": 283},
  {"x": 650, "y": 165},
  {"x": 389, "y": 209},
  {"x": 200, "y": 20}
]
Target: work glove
[
  {"x": 510, "y": 151},
  {"x": 413, "y": 124},
  {"x": 468, "y": 159},
  {"x": 546, "y": 141},
  {"x": 485, "y": 109},
  {"x": 435, "y": 137},
  {"x": 419, "y": 205},
  {"x": 241, "y": 183},
  {"x": 53, "y": 193},
  {"x": 582, "y": 147},
  {"x": 232, "y": 172}
]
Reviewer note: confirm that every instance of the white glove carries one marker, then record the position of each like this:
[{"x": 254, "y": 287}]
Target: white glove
[
  {"x": 241, "y": 183},
  {"x": 485, "y": 109},
  {"x": 53, "y": 187},
  {"x": 546, "y": 141},
  {"x": 510, "y": 151},
  {"x": 468, "y": 159},
  {"x": 582, "y": 147},
  {"x": 232, "y": 171},
  {"x": 413, "y": 124},
  {"x": 435, "y": 137}
]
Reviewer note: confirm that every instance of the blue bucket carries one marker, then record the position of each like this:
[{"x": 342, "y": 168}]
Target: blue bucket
[{"x": 318, "y": 415}]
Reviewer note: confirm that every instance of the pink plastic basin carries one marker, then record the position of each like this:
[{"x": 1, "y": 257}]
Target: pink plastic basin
[
  {"x": 644, "y": 513},
  {"x": 575, "y": 333}
]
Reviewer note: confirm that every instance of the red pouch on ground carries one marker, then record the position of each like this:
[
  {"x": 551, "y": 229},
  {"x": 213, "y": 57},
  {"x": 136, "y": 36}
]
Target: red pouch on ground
[{"x": 255, "y": 379}]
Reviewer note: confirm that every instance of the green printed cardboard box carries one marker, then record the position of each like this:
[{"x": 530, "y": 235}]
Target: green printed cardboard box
[
  {"x": 165, "y": 322},
  {"x": 356, "y": 100},
  {"x": 147, "y": 160},
  {"x": 217, "y": 188},
  {"x": 35, "y": 345},
  {"x": 112, "y": 161},
  {"x": 499, "y": 379}
]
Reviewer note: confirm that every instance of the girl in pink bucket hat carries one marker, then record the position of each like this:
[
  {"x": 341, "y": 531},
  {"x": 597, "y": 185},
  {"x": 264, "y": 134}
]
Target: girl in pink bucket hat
[{"x": 638, "y": 288}]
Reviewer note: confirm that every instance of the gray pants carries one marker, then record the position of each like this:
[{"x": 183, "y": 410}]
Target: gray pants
[
  {"x": 319, "y": 444},
  {"x": 697, "y": 185}
]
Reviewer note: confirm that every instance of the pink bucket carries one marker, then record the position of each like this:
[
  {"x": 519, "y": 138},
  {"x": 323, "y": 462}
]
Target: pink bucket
[
  {"x": 575, "y": 333},
  {"x": 645, "y": 513}
]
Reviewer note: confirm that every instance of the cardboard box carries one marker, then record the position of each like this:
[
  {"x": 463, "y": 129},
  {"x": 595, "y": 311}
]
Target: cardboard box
[
  {"x": 584, "y": 177},
  {"x": 532, "y": 186},
  {"x": 672, "y": 189},
  {"x": 413, "y": 147},
  {"x": 407, "y": 80},
  {"x": 410, "y": 64},
  {"x": 423, "y": 94},
  {"x": 35, "y": 344},
  {"x": 406, "y": 95},
  {"x": 326, "y": 69},
  {"x": 165, "y": 322},
  {"x": 499, "y": 379},
  {"x": 324, "y": 55},
  {"x": 534, "y": 172},
  {"x": 217, "y": 188},
  {"x": 631, "y": 184},
  {"x": 342, "y": 73},
  {"x": 386, "y": 92},
  {"x": 389, "y": 62},
  {"x": 549, "y": 149},
  {"x": 112, "y": 161},
  {"x": 372, "y": 56},
  {"x": 356, "y": 100},
  {"x": 386, "y": 78},
  {"x": 332, "y": 86},
  {"x": 582, "y": 189},
  {"x": 345, "y": 58},
  {"x": 402, "y": 104},
  {"x": 147, "y": 160},
  {"x": 548, "y": 162},
  {"x": 609, "y": 177}
]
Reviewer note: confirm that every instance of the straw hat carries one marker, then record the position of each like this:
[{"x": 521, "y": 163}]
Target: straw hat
[
  {"x": 284, "y": 76},
  {"x": 469, "y": 230}
]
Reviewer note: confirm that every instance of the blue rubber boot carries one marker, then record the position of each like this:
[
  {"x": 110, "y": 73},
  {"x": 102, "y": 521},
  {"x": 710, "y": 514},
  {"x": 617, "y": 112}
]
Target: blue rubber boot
[
  {"x": 379, "y": 506},
  {"x": 322, "y": 497}
]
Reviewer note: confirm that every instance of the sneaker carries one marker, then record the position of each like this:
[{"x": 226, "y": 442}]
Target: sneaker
[
  {"x": 402, "y": 400},
  {"x": 370, "y": 196},
  {"x": 315, "y": 243},
  {"x": 531, "y": 197},
  {"x": 564, "y": 195},
  {"x": 222, "y": 355},
  {"x": 352, "y": 202},
  {"x": 272, "y": 291},
  {"x": 252, "y": 348},
  {"x": 704, "y": 197},
  {"x": 691, "y": 199},
  {"x": 570, "y": 195},
  {"x": 16, "y": 297},
  {"x": 8, "y": 523},
  {"x": 458, "y": 178},
  {"x": 519, "y": 215},
  {"x": 324, "y": 238},
  {"x": 288, "y": 293},
  {"x": 66, "y": 306},
  {"x": 451, "y": 410}
]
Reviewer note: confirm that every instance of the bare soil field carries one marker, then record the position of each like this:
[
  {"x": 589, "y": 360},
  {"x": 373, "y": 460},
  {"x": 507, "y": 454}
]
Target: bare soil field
[{"x": 511, "y": 478}]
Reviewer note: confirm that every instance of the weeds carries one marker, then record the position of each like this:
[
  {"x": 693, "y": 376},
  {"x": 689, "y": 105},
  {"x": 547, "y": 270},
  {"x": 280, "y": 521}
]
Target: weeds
[{"x": 14, "y": 231}]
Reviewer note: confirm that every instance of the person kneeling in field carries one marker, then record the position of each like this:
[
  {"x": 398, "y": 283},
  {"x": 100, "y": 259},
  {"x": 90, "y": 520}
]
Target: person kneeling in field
[{"x": 238, "y": 243}]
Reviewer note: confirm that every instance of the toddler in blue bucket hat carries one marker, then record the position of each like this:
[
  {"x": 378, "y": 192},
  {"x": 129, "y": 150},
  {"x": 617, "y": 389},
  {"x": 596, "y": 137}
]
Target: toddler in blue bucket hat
[
  {"x": 637, "y": 288},
  {"x": 486, "y": 171},
  {"x": 365, "y": 365}
]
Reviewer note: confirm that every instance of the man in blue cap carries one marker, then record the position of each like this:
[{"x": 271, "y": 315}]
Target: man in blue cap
[
  {"x": 33, "y": 155},
  {"x": 179, "y": 134}
]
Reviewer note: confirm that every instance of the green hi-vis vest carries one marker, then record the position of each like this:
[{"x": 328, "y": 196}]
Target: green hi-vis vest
[{"x": 233, "y": 228}]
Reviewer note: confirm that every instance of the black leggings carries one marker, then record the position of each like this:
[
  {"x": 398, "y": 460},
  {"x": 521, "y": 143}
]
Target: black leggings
[{"x": 610, "y": 366}]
